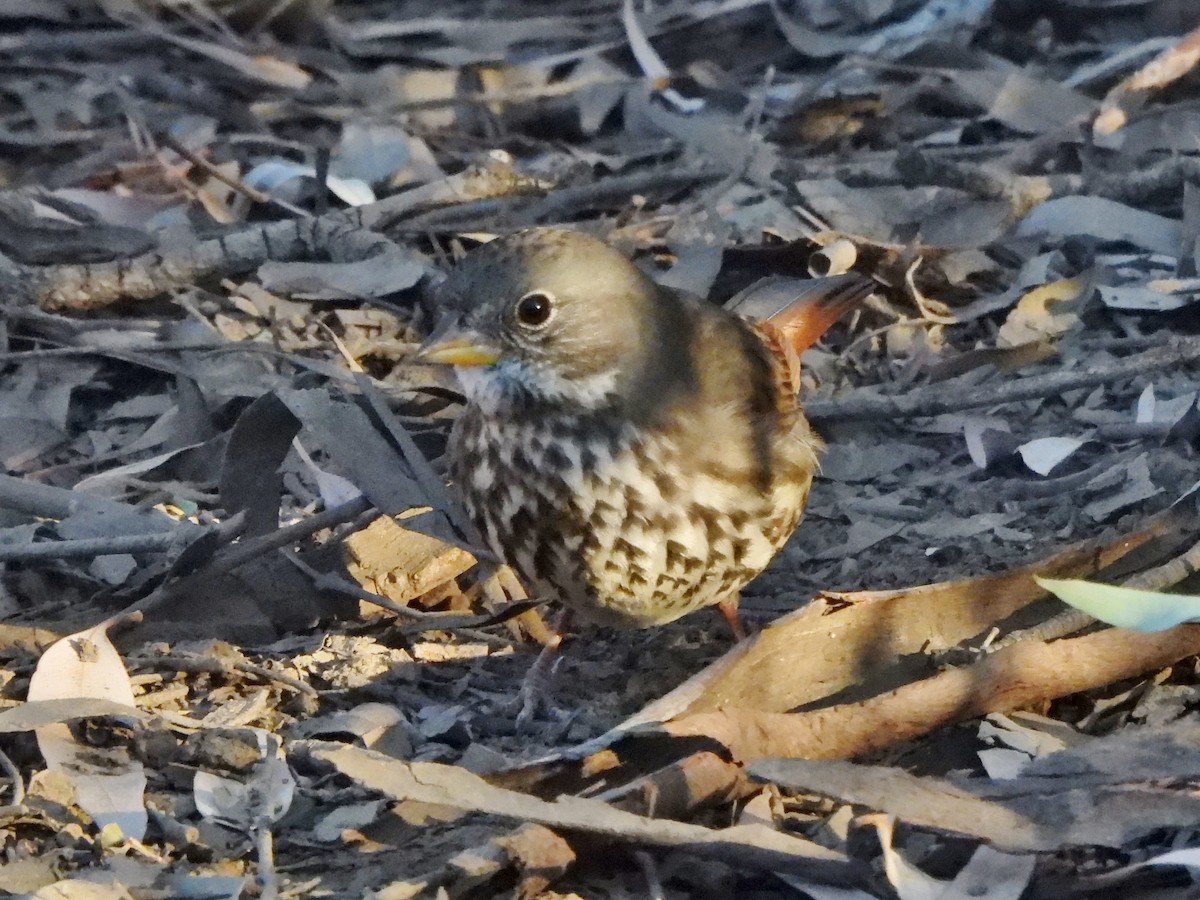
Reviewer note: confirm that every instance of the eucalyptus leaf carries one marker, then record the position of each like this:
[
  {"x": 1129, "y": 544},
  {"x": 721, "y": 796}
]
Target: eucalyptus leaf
[{"x": 1125, "y": 607}]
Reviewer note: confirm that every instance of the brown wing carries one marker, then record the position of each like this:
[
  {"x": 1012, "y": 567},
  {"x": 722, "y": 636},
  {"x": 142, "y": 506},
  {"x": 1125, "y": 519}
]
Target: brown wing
[{"x": 785, "y": 369}]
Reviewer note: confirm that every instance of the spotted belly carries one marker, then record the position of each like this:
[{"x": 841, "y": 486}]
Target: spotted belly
[{"x": 622, "y": 530}]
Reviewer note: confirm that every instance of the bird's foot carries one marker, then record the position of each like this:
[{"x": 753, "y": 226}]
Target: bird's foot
[
  {"x": 729, "y": 611},
  {"x": 536, "y": 688}
]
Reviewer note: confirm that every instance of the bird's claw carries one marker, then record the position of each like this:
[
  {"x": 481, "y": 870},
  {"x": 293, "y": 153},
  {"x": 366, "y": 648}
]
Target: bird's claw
[{"x": 536, "y": 688}]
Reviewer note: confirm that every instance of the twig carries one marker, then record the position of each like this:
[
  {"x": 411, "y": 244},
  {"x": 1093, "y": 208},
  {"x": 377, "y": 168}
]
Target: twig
[
  {"x": 80, "y": 287},
  {"x": 946, "y": 397},
  {"x": 1135, "y": 185},
  {"x": 344, "y": 234},
  {"x": 465, "y": 626},
  {"x": 1025, "y": 489},
  {"x": 48, "y": 501},
  {"x": 654, "y": 885},
  {"x": 520, "y": 95},
  {"x": 213, "y": 665},
  {"x": 328, "y": 581},
  {"x": 135, "y": 357},
  {"x": 241, "y": 187},
  {"x": 1166, "y": 177},
  {"x": 18, "y": 785},
  {"x": 432, "y": 486},
  {"x": 1025, "y": 674},
  {"x": 229, "y": 558},
  {"x": 266, "y": 878},
  {"x": 84, "y": 548},
  {"x": 555, "y": 203},
  {"x": 427, "y": 479},
  {"x": 746, "y": 847},
  {"x": 240, "y": 554}
]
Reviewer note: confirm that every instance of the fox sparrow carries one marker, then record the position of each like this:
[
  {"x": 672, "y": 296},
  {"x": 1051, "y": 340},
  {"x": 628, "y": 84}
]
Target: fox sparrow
[{"x": 634, "y": 452}]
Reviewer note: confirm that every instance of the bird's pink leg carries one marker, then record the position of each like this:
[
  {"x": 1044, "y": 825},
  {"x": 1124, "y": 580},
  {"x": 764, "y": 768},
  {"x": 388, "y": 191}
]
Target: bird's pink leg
[{"x": 729, "y": 610}]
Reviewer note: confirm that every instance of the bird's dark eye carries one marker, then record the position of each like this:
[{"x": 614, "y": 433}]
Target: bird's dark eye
[{"x": 534, "y": 309}]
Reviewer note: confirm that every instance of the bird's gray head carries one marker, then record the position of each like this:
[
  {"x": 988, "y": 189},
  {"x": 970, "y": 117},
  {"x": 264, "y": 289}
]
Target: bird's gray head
[{"x": 554, "y": 316}]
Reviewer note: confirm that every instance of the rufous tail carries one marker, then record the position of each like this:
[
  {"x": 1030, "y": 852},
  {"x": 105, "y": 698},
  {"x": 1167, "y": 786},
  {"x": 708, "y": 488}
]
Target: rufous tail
[{"x": 805, "y": 319}]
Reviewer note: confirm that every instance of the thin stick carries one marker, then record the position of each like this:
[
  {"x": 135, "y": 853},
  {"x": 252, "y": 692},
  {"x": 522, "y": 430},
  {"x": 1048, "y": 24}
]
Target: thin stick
[
  {"x": 240, "y": 554},
  {"x": 85, "y": 548},
  {"x": 947, "y": 397},
  {"x": 241, "y": 187}
]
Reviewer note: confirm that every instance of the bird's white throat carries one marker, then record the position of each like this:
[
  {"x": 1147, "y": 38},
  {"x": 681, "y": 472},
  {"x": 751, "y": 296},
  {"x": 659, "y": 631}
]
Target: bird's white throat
[{"x": 493, "y": 388}]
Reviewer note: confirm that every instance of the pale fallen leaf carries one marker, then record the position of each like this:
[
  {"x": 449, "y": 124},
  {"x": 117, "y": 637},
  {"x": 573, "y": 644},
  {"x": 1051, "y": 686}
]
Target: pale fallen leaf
[
  {"x": 1188, "y": 856},
  {"x": 371, "y": 153},
  {"x": 754, "y": 846},
  {"x": 334, "y": 489},
  {"x": 1147, "y": 297},
  {"x": 354, "y": 816},
  {"x": 1002, "y": 763},
  {"x": 1043, "y": 454},
  {"x": 376, "y": 276},
  {"x": 1032, "y": 319},
  {"x": 987, "y": 443},
  {"x": 1125, "y": 607},
  {"x": 112, "y": 482},
  {"x": 1138, "y": 486},
  {"x": 909, "y": 881},
  {"x": 1105, "y": 220},
  {"x": 1145, "y": 405},
  {"x": 272, "y": 174},
  {"x": 1066, "y": 798},
  {"x": 36, "y": 713},
  {"x": 77, "y": 889},
  {"x": 86, "y": 665},
  {"x": 1030, "y": 741},
  {"x": 184, "y": 885},
  {"x": 936, "y": 19},
  {"x": 368, "y": 721},
  {"x": 992, "y": 875},
  {"x": 818, "y": 891},
  {"x": 650, "y": 62}
]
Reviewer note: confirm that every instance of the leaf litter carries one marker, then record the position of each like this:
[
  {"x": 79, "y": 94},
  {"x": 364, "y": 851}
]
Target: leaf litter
[{"x": 217, "y": 233}]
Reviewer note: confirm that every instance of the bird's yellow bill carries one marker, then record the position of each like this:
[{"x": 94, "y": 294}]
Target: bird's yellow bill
[{"x": 462, "y": 350}]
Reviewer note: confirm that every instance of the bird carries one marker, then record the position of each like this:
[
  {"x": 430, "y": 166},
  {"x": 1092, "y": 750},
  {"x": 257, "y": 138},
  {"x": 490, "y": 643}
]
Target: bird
[{"x": 630, "y": 450}]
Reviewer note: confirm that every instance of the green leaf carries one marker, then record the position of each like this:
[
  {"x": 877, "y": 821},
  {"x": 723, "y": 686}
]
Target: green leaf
[{"x": 1125, "y": 607}]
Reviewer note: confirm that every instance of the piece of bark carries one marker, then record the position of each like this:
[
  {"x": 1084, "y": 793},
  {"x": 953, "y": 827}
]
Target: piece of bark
[
  {"x": 400, "y": 564},
  {"x": 871, "y": 641},
  {"x": 745, "y": 846},
  {"x": 1022, "y": 675},
  {"x": 675, "y": 791}
]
